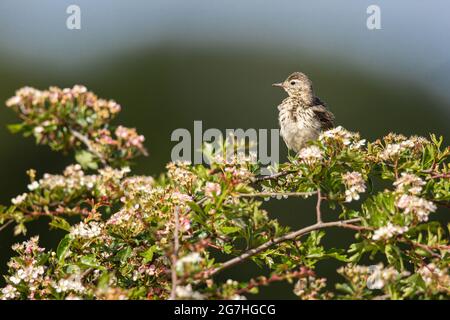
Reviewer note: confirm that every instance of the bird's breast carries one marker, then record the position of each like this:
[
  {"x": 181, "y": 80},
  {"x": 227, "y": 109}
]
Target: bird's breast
[{"x": 297, "y": 126}]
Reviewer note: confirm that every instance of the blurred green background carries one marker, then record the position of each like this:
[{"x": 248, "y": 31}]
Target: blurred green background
[{"x": 169, "y": 63}]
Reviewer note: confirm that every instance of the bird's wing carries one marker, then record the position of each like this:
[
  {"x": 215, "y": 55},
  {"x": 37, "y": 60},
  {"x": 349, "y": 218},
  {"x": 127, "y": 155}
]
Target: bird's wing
[{"x": 324, "y": 115}]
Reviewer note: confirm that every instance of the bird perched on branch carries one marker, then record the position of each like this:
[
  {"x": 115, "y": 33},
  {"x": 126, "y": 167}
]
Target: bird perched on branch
[{"x": 303, "y": 116}]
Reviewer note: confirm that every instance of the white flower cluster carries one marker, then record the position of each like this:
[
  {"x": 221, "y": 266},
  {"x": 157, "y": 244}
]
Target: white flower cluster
[
  {"x": 179, "y": 198},
  {"x": 338, "y": 133},
  {"x": 30, "y": 274},
  {"x": 393, "y": 150},
  {"x": 344, "y": 136},
  {"x": 431, "y": 274},
  {"x": 28, "y": 246},
  {"x": 9, "y": 292},
  {"x": 186, "y": 292},
  {"x": 420, "y": 207},
  {"x": 19, "y": 199},
  {"x": 238, "y": 153},
  {"x": 70, "y": 284},
  {"x": 73, "y": 178},
  {"x": 129, "y": 220},
  {"x": 388, "y": 232},
  {"x": 179, "y": 173},
  {"x": 120, "y": 217},
  {"x": 238, "y": 297},
  {"x": 308, "y": 288},
  {"x": 240, "y": 174},
  {"x": 192, "y": 258},
  {"x": 110, "y": 179},
  {"x": 409, "y": 182},
  {"x": 212, "y": 189},
  {"x": 137, "y": 187},
  {"x": 355, "y": 185},
  {"x": 86, "y": 230},
  {"x": 33, "y": 186},
  {"x": 311, "y": 154},
  {"x": 380, "y": 276}
]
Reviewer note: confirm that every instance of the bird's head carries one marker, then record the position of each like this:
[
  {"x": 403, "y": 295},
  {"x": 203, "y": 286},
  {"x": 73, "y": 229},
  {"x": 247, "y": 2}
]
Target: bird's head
[{"x": 297, "y": 85}]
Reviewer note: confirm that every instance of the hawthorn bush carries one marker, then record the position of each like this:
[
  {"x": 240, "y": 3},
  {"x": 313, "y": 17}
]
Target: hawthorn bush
[{"x": 139, "y": 237}]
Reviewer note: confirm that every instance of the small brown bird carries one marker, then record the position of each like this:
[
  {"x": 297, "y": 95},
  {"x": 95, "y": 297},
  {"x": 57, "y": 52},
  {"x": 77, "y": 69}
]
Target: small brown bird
[{"x": 303, "y": 116}]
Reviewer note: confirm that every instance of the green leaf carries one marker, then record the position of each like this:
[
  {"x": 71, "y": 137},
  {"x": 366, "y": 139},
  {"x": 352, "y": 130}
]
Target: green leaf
[
  {"x": 16, "y": 127},
  {"x": 123, "y": 254},
  {"x": 103, "y": 281},
  {"x": 200, "y": 215},
  {"x": 148, "y": 254},
  {"x": 86, "y": 159},
  {"x": 229, "y": 230},
  {"x": 60, "y": 223},
  {"x": 91, "y": 261},
  {"x": 227, "y": 248},
  {"x": 394, "y": 257},
  {"x": 63, "y": 248},
  {"x": 337, "y": 254},
  {"x": 344, "y": 287}
]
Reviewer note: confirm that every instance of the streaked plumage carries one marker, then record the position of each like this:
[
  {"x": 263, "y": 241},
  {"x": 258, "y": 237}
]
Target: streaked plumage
[{"x": 302, "y": 116}]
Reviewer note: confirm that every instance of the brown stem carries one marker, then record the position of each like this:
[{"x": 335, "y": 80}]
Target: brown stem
[
  {"x": 288, "y": 237},
  {"x": 318, "y": 211},
  {"x": 5, "y": 225},
  {"x": 275, "y": 194},
  {"x": 88, "y": 144},
  {"x": 427, "y": 248},
  {"x": 272, "y": 176}
]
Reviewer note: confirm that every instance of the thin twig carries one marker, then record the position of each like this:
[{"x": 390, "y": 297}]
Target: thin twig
[
  {"x": 439, "y": 176},
  {"x": 275, "y": 194},
  {"x": 272, "y": 176},
  {"x": 427, "y": 248},
  {"x": 288, "y": 237},
  {"x": 88, "y": 144},
  {"x": 176, "y": 246},
  {"x": 319, "y": 202},
  {"x": 4, "y": 226}
]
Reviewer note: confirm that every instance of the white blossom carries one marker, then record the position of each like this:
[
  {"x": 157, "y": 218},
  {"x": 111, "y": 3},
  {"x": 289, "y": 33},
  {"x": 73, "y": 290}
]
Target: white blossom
[
  {"x": 380, "y": 276},
  {"x": 212, "y": 189},
  {"x": 310, "y": 154},
  {"x": 339, "y": 134},
  {"x": 409, "y": 183},
  {"x": 388, "y": 232},
  {"x": 9, "y": 292},
  {"x": 420, "y": 207},
  {"x": 358, "y": 144},
  {"x": 38, "y": 130},
  {"x": 192, "y": 258},
  {"x": 19, "y": 199},
  {"x": 33, "y": 186},
  {"x": 354, "y": 183},
  {"x": 30, "y": 274},
  {"x": 186, "y": 292},
  {"x": 70, "y": 284},
  {"x": 393, "y": 150},
  {"x": 432, "y": 274},
  {"x": 237, "y": 297},
  {"x": 181, "y": 197},
  {"x": 86, "y": 230}
]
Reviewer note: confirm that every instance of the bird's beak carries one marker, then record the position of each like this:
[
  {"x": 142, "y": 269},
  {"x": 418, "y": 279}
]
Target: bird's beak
[{"x": 278, "y": 85}]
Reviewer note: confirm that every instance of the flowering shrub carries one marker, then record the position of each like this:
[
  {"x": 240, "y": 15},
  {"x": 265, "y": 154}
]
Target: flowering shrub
[{"x": 167, "y": 238}]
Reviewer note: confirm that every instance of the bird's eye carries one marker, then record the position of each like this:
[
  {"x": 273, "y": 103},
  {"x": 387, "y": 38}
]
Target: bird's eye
[{"x": 292, "y": 82}]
